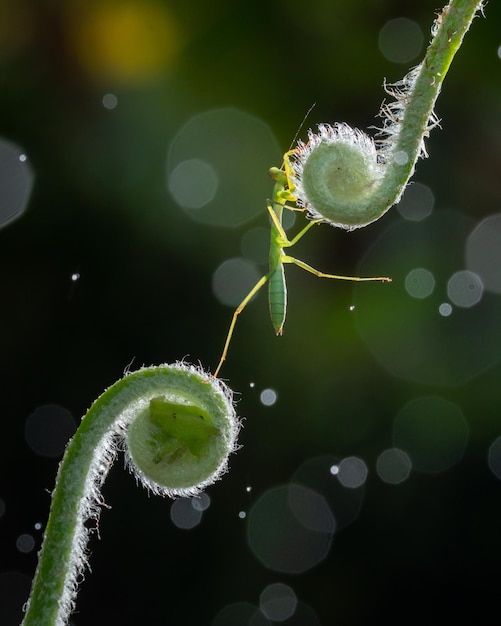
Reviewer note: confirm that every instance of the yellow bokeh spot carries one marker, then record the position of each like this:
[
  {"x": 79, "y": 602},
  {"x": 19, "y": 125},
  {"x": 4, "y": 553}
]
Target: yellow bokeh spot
[{"x": 128, "y": 42}]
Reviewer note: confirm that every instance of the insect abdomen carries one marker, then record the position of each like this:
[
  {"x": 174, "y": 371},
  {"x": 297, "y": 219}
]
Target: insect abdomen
[{"x": 277, "y": 297}]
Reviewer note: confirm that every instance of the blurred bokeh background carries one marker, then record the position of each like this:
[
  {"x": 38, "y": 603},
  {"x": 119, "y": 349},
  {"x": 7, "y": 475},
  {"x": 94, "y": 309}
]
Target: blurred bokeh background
[{"x": 135, "y": 139}]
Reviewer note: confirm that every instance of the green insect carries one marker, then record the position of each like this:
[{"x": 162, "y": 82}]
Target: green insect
[
  {"x": 183, "y": 427},
  {"x": 283, "y": 192}
]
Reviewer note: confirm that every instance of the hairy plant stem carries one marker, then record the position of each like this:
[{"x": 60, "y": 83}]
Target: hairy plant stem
[
  {"x": 88, "y": 458},
  {"x": 418, "y": 118},
  {"x": 345, "y": 178}
]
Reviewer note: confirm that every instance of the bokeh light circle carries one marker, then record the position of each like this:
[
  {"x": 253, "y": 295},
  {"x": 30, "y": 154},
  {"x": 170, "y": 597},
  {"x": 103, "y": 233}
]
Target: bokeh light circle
[
  {"x": 201, "y": 502},
  {"x": 110, "y": 101},
  {"x": 268, "y": 397},
  {"x": 240, "y": 614},
  {"x": 352, "y": 472},
  {"x": 255, "y": 244},
  {"x": 238, "y": 148},
  {"x": 494, "y": 457},
  {"x": 278, "y": 602},
  {"x": 445, "y": 309},
  {"x": 321, "y": 474},
  {"x": 416, "y": 203},
  {"x": 304, "y": 615},
  {"x": 419, "y": 283},
  {"x": 185, "y": 514},
  {"x": 311, "y": 509},
  {"x": 193, "y": 183},
  {"x": 25, "y": 543},
  {"x": 233, "y": 280},
  {"x": 483, "y": 252},
  {"x": 16, "y": 182},
  {"x": 432, "y": 431},
  {"x": 127, "y": 42},
  {"x": 290, "y": 529},
  {"x": 464, "y": 288},
  {"x": 400, "y": 40},
  {"x": 48, "y": 429},
  {"x": 393, "y": 466},
  {"x": 425, "y": 340}
]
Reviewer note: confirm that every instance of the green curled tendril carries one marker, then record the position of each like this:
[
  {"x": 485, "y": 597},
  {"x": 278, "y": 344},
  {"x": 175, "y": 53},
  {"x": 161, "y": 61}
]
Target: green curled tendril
[
  {"x": 344, "y": 177},
  {"x": 177, "y": 427}
]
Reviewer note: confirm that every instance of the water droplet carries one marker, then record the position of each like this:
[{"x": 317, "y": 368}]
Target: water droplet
[
  {"x": 242, "y": 514},
  {"x": 75, "y": 277},
  {"x": 400, "y": 157}
]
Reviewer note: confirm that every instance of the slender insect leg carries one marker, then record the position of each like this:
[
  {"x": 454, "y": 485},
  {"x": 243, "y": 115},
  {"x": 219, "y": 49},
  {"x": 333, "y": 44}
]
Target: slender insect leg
[
  {"x": 262, "y": 281},
  {"x": 285, "y": 243},
  {"x": 302, "y": 232},
  {"x": 312, "y": 270},
  {"x": 289, "y": 172}
]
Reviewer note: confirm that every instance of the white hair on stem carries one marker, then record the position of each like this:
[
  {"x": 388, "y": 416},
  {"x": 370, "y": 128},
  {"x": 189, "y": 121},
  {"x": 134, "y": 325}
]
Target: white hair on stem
[{"x": 196, "y": 455}]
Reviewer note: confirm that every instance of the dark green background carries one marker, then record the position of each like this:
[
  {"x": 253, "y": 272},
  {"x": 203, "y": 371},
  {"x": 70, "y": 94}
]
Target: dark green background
[{"x": 427, "y": 551}]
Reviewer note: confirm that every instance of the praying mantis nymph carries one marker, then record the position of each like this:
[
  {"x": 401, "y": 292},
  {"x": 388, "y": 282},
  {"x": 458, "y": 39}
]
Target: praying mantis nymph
[{"x": 283, "y": 192}]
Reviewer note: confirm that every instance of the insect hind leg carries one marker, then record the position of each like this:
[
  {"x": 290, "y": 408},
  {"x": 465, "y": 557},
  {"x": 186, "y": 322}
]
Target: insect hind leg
[{"x": 319, "y": 274}]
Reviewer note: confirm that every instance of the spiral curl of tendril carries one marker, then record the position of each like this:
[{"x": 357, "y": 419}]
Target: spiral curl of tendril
[
  {"x": 177, "y": 427},
  {"x": 346, "y": 178}
]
